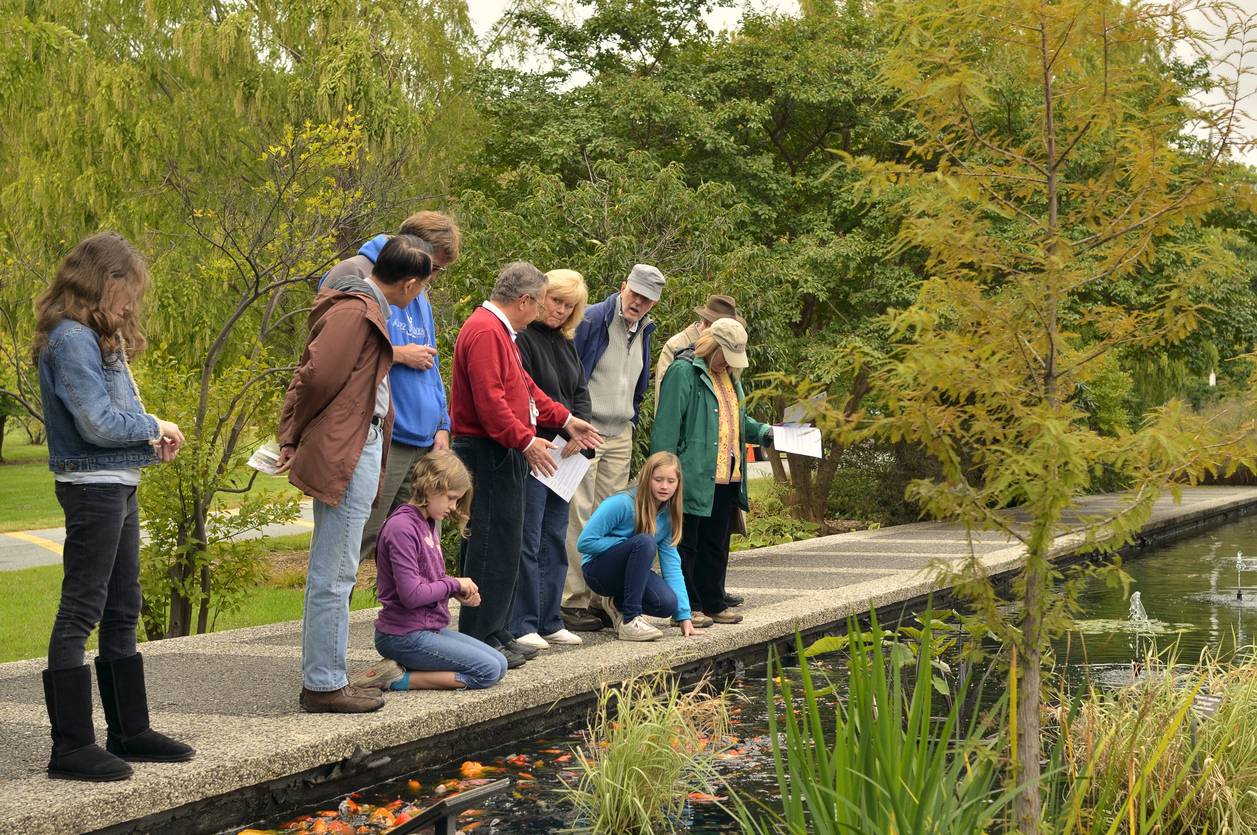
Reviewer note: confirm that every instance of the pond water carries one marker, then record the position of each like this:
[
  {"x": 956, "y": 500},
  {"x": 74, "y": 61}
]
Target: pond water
[{"x": 1187, "y": 589}]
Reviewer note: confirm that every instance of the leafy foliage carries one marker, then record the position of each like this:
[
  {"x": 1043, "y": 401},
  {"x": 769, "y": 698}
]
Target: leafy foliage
[
  {"x": 243, "y": 147},
  {"x": 1053, "y": 167}
]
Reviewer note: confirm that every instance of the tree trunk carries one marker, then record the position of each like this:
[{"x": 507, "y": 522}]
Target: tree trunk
[
  {"x": 1029, "y": 804},
  {"x": 202, "y": 615},
  {"x": 180, "y": 615},
  {"x": 203, "y": 546},
  {"x": 181, "y": 605},
  {"x": 3, "y": 420}
]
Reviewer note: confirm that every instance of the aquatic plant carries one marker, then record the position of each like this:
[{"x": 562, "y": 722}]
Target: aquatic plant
[
  {"x": 882, "y": 761},
  {"x": 1173, "y": 752},
  {"x": 650, "y": 745}
]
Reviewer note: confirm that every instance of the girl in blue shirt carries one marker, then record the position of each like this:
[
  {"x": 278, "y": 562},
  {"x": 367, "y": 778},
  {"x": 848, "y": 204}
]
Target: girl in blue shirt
[{"x": 618, "y": 548}]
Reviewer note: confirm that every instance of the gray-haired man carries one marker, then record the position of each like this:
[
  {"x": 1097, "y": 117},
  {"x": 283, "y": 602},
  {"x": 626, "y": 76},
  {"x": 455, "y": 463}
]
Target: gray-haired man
[{"x": 495, "y": 408}]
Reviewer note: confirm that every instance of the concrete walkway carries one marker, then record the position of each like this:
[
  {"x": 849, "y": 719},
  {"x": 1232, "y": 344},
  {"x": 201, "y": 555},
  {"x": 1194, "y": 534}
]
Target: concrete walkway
[{"x": 233, "y": 694}]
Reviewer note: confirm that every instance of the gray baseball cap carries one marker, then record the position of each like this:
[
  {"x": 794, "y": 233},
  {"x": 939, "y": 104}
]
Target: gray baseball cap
[{"x": 645, "y": 280}]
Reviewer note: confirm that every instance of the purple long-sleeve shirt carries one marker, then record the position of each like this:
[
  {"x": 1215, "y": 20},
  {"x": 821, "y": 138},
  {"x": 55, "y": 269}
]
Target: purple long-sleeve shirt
[{"x": 410, "y": 581}]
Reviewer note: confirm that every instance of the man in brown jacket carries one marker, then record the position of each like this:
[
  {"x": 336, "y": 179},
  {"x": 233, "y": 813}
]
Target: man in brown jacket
[{"x": 336, "y": 425}]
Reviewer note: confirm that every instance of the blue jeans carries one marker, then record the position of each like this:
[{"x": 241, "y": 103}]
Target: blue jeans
[
  {"x": 474, "y": 663},
  {"x": 542, "y": 563},
  {"x": 623, "y": 572},
  {"x": 331, "y": 572}
]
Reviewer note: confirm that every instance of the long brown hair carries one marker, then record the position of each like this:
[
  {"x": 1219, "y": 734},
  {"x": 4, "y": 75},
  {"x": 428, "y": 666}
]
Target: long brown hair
[
  {"x": 89, "y": 283},
  {"x": 646, "y": 508},
  {"x": 441, "y": 471}
]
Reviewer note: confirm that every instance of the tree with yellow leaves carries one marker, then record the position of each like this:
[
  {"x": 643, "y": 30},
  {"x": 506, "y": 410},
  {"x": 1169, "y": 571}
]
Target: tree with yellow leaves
[{"x": 1063, "y": 149}]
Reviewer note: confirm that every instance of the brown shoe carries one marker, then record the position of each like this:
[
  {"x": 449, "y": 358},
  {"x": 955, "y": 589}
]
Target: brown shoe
[
  {"x": 697, "y": 620},
  {"x": 345, "y": 700},
  {"x": 724, "y": 617}
]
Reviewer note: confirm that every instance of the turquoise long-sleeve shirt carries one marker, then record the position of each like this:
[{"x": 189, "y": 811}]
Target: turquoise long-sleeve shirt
[{"x": 615, "y": 521}]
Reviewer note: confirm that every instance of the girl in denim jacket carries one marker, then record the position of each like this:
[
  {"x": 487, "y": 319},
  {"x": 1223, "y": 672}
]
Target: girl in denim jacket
[{"x": 99, "y": 436}]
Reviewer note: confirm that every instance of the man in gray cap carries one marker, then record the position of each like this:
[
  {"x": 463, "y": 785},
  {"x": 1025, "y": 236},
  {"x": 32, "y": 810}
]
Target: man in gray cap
[
  {"x": 613, "y": 342},
  {"x": 717, "y": 307}
]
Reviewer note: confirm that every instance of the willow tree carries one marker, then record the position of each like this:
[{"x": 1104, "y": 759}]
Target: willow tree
[
  {"x": 242, "y": 145},
  {"x": 1062, "y": 147}
]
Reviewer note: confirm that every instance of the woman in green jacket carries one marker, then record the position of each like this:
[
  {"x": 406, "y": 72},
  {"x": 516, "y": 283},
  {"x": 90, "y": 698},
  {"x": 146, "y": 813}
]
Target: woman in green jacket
[{"x": 702, "y": 418}]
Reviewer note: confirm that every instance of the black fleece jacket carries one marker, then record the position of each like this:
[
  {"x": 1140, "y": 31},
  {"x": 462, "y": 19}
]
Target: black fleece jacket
[{"x": 551, "y": 360}]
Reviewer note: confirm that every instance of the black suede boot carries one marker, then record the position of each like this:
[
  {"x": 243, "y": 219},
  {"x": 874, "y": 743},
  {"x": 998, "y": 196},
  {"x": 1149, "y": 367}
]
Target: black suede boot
[
  {"x": 75, "y": 754},
  {"x": 126, "y": 710}
]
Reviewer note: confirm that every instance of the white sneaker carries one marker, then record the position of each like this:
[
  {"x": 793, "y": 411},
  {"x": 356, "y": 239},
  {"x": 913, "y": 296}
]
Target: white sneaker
[
  {"x": 379, "y": 675},
  {"x": 608, "y": 606},
  {"x": 638, "y": 629},
  {"x": 533, "y": 641},
  {"x": 564, "y": 637}
]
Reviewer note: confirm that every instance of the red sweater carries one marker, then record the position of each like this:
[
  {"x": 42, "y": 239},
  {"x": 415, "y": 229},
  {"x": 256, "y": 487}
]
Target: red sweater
[{"x": 489, "y": 387}]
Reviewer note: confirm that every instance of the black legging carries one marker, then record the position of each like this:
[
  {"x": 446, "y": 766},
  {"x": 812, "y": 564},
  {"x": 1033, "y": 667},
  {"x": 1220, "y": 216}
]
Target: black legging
[
  {"x": 101, "y": 585},
  {"x": 705, "y": 550}
]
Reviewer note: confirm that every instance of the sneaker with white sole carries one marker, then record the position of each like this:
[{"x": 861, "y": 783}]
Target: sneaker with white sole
[
  {"x": 563, "y": 637},
  {"x": 637, "y": 629},
  {"x": 379, "y": 675},
  {"x": 533, "y": 641},
  {"x": 613, "y": 612}
]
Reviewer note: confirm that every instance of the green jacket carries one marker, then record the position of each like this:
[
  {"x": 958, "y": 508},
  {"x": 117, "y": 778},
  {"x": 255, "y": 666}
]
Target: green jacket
[{"x": 686, "y": 424}]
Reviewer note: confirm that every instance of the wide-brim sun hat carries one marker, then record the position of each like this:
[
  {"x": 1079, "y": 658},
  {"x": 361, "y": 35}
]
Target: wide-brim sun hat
[{"x": 719, "y": 307}]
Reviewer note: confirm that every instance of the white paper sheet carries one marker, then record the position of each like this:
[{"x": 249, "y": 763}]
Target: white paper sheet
[
  {"x": 801, "y": 440},
  {"x": 265, "y": 459},
  {"x": 571, "y": 470},
  {"x": 797, "y": 414}
]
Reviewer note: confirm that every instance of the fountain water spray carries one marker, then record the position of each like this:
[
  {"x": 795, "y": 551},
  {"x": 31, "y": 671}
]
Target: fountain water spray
[
  {"x": 1242, "y": 565},
  {"x": 1138, "y": 617}
]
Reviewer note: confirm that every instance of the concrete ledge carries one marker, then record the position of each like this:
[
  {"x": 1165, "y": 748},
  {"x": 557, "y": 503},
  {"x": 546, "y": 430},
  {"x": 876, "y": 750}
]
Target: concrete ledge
[{"x": 233, "y": 694}]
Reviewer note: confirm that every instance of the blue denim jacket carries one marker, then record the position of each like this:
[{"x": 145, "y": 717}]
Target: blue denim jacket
[{"x": 92, "y": 411}]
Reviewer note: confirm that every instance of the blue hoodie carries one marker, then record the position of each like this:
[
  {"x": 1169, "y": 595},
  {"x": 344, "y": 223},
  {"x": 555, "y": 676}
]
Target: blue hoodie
[{"x": 419, "y": 404}]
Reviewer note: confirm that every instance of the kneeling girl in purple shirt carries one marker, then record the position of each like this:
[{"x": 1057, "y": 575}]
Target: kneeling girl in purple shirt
[{"x": 412, "y": 629}]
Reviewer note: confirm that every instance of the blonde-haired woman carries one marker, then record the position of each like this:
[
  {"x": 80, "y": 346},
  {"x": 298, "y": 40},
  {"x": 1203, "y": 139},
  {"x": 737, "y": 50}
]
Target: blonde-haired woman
[
  {"x": 702, "y": 418},
  {"x": 550, "y": 358}
]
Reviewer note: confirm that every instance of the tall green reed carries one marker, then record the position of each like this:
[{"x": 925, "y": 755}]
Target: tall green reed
[
  {"x": 1144, "y": 759},
  {"x": 649, "y": 744},
  {"x": 880, "y": 761}
]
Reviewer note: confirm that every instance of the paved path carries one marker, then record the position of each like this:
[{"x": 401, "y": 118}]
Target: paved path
[
  {"x": 233, "y": 694},
  {"x": 27, "y": 549}
]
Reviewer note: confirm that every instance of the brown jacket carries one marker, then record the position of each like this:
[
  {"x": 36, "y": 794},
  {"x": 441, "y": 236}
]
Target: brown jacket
[{"x": 328, "y": 407}]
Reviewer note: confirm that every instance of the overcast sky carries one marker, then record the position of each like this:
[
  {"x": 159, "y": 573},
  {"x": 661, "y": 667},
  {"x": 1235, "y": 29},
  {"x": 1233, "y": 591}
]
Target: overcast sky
[{"x": 484, "y": 13}]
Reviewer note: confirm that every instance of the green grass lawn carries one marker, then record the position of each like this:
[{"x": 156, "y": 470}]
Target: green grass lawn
[
  {"x": 27, "y": 501},
  {"x": 28, "y": 605}
]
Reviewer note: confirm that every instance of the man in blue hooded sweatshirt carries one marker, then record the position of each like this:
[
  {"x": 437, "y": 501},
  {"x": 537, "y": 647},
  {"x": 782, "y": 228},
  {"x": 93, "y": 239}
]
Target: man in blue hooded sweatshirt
[{"x": 422, "y": 420}]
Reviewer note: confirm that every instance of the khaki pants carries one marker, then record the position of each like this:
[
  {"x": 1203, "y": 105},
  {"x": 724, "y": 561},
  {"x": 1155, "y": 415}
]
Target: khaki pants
[{"x": 608, "y": 473}]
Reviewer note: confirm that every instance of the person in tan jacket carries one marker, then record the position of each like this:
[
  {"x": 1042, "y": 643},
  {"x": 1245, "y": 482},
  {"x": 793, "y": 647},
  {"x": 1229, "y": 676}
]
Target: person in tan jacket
[
  {"x": 717, "y": 307},
  {"x": 333, "y": 434}
]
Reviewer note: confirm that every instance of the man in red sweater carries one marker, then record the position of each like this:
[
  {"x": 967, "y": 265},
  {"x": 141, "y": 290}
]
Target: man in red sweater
[{"x": 495, "y": 408}]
